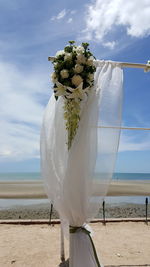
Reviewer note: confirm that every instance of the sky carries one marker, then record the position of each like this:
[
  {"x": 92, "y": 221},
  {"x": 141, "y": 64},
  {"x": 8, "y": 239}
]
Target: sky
[{"x": 33, "y": 30}]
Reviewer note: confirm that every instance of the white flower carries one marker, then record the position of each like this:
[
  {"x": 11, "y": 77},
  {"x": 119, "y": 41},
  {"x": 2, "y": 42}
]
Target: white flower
[
  {"x": 60, "y": 89},
  {"x": 76, "y": 80},
  {"x": 78, "y": 92},
  {"x": 53, "y": 77},
  {"x": 81, "y": 59},
  {"x": 91, "y": 76},
  {"x": 80, "y": 50},
  {"x": 60, "y": 53},
  {"x": 74, "y": 48},
  {"x": 78, "y": 68},
  {"x": 68, "y": 56},
  {"x": 64, "y": 74},
  {"x": 90, "y": 61}
]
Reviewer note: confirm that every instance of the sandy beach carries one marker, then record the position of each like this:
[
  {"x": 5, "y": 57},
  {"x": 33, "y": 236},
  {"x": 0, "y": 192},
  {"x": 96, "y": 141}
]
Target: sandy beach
[
  {"x": 35, "y": 189},
  {"x": 125, "y": 243},
  {"x": 117, "y": 243}
]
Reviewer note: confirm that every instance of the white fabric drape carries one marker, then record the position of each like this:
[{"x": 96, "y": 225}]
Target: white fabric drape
[{"x": 69, "y": 176}]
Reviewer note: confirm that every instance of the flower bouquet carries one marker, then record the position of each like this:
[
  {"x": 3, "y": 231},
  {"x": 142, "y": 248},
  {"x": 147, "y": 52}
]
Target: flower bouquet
[{"x": 73, "y": 78}]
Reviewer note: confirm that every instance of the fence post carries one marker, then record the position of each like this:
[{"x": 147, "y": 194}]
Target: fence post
[
  {"x": 146, "y": 206},
  {"x": 50, "y": 215},
  {"x": 104, "y": 212}
]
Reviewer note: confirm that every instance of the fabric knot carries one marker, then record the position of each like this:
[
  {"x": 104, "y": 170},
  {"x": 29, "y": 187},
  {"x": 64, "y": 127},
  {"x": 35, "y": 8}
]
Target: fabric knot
[{"x": 74, "y": 229}]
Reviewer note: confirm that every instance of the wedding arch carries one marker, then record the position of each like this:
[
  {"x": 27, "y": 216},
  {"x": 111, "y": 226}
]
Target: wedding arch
[{"x": 87, "y": 92}]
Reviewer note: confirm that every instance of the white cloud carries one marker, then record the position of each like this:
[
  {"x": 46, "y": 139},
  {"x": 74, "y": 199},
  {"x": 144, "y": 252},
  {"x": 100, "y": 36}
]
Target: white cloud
[
  {"x": 110, "y": 45},
  {"x": 18, "y": 141},
  {"x": 20, "y": 111},
  {"x": 72, "y": 12},
  {"x": 60, "y": 15},
  {"x": 69, "y": 20},
  {"x": 64, "y": 14},
  {"x": 128, "y": 143},
  {"x": 104, "y": 16}
]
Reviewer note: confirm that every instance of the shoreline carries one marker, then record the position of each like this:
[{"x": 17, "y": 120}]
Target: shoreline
[
  {"x": 35, "y": 189},
  {"x": 42, "y": 211}
]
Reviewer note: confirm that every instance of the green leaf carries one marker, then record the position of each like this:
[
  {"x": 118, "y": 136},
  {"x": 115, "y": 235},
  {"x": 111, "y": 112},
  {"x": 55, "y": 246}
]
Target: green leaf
[
  {"x": 71, "y": 42},
  {"x": 68, "y": 49},
  {"x": 85, "y": 45}
]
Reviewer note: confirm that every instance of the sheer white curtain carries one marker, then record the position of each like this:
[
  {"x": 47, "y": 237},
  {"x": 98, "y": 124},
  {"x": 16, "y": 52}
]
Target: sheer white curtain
[{"x": 69, "y": 176}]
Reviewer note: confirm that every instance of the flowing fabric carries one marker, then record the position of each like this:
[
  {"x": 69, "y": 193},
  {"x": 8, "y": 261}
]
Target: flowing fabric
[{"x": 69, "y": 176}]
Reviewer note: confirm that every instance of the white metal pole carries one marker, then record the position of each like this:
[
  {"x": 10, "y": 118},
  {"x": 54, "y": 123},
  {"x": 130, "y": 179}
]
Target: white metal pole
[
  {"x": 124, "y": 128},
  {"x": 146, "y": 67}
]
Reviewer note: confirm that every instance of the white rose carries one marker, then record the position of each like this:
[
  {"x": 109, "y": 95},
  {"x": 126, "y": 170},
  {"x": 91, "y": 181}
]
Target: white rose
[
  {"x": 76, "y": 80},
  {"x": 68, "y": 56},
  {"x": 78, "y": 68},
  {"x": 91, "y": 76},
  {"x": 81, "y": 59},
  {"x": 64, "y": 74},
  {"x": 90, "y": 61},
  {"x": 74, "y": 48},
  {"x": 53, "y": 77},
  {"x": 60, "y": 53},
  {"x": 80, "y": 50}
]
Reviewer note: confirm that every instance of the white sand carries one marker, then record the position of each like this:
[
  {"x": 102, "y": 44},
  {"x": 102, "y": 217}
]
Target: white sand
[{"x": 39, "y": 245}]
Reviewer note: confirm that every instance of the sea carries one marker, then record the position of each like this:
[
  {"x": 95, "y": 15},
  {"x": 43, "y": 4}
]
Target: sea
[
  {"x": 36, "y": 176},
  {"x": 20, "y": 176}
]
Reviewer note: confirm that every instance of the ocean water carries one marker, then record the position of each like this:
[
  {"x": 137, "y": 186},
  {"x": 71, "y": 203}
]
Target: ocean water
[
  {"x": 8, "y": 203},
  {"x": 20, "y": 176},
  {"x": 131, "y": 176}
]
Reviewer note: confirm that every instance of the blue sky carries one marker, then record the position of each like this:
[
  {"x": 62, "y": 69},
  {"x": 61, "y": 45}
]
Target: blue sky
[{"x": 33, "y": 30}]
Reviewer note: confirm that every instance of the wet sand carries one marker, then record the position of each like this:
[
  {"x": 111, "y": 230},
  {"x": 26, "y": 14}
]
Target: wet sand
[{"x": 42, "y": 211}]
